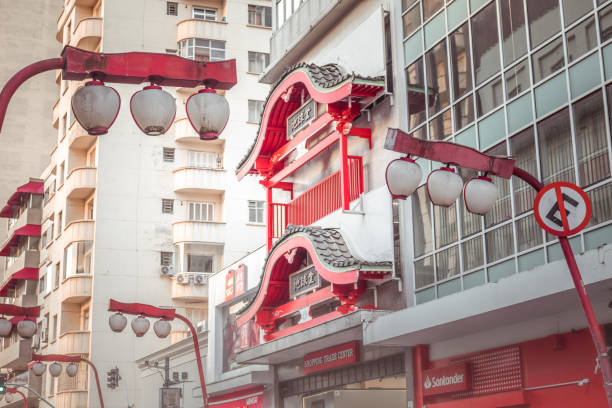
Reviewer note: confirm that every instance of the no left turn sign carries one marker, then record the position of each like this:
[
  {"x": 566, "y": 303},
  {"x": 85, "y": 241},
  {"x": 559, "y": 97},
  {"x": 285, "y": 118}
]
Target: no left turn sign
[{"x": 562, "y": 209}]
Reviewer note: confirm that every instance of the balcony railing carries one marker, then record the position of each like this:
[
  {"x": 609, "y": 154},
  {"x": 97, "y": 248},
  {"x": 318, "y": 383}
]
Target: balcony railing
[
  {"x": 198, "y": 231},
  {"x": 197, "y": 28},
  {"x": 74, "y": 342},
  {"x": 318, "y": 201},
  {"x": 78, "y": 138},
  {"x": 196, "y": 179},
  {"x": 81, "y": 182},
  {"x": 17, "y": 355},
  {"x": 80, "y": 230},
  {"x": 184, "y": 132},
  {"x": 76, "y": 289},
  {"x": 87, "y": 33}
]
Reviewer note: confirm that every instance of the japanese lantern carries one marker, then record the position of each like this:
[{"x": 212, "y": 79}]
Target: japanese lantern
[
  {"x": 38, "y": 368},
  {"x": 96, "y": 107},
  {"x": 140, "y": 325},
  {"x": 162, "y": 328},
  {"x": 55, "y": 369},
  {"x": 403, "y": 177},
  {"x": 153, "y": 110},
  {"x": 117, "y": 322},
  {"x": 444, "y": 186},
  {"x": 480, "y": 195},
  {"x": 208, "y": 113},
  {"x": 72, "y": 369},
  {"x": 26, "y": 328}
]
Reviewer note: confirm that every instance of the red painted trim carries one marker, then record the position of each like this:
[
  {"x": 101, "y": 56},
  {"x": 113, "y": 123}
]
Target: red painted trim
[
  {"x": 344, "y": 173},
  {"x": 288, "y": 82},
  {"x": 32, "y": 187},
  {"x": 502, "y": 399},
  {"x": 196, "y": 345},
  {"x": 28, "y": 230},
  {"x": 16, "y": 391},
  {"x": 348, "y": 277},
  {"x": 237, "y": 394},
  {"x": 132, "y": 112},
  {"x": 303, "y": 326},
  {"x": 309, "y": 300},
  {"x": 141, "y": 310},
  {"x": 23, "y": 274},
  {"x": 12, "y": 310}
]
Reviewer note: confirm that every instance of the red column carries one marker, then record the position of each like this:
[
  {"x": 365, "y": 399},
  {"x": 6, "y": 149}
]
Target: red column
[
  {"x": 270, "y": 216},
  {"x": 420, "y": 361},
  {"x": 344, "y": 172}
]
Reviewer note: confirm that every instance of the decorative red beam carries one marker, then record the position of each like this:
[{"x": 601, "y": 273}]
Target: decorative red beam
[
  {"x": 451, "y": 153},
  {"x": 12, "y": 310},
  {"x": 126, "y": 68}
]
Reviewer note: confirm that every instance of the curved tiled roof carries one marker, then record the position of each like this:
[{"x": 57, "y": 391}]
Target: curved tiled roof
[{"x": 325, "y": 76}]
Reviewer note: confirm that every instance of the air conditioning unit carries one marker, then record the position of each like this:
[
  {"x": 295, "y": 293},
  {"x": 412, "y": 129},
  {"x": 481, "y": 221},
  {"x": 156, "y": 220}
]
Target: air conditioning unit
[
  {"x": 200, "y": 279},
  {"x": 202, "y": 326},
  {"x": 167, "y": 270},
  {"x": 182, "y": 279}
]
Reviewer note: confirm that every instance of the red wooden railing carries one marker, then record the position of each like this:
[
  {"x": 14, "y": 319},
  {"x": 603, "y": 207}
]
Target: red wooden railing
[{"x": 319, "y": 200}]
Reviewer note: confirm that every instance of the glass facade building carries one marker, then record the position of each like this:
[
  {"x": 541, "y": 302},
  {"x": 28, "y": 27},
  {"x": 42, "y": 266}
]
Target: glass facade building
[{"x": 527, "y": 78}]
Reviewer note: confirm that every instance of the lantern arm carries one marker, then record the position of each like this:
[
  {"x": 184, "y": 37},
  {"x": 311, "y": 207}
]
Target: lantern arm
[
  {"x": 451, "y": 153},
  {"x": 12, "y": 310},
  {"x": 138, "y": 67},
  {"x": 56, "y": 357},
  {"x": 141, "y": 309}
]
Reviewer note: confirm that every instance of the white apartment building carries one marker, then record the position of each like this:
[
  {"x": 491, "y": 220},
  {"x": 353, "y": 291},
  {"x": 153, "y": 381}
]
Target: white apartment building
[{"x": 139, "y": 218}]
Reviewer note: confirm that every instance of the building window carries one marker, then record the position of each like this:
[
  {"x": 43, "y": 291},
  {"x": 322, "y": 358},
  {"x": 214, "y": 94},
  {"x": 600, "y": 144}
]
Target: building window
[
  {"x": 172, "y": 8},
  {"x": 198, "y": 259},
  {"x": 171, "y": 51},
  {"x": 256, "y": 212},
  {"x": 202, "y": 13},
  {"x": 166, "y": 258},
  {"x": 85, "y": 319},
  {"x": 78, "y": 258},
  {"x": 167, "y": 206},
  {"x": 258, "y": 61},
  {"x": 60, "y": 223},
  {"x": 89, "y": 209},
  {"x": 60, "y": 174},
  {"x": 204, "y": 160},
  {"x": 54, "y": 332},
  {"x": 201, "y": 49},
  {"x": 168, "y": 154},
  {"x": 57, "y": 275},
  {"x": 260, "y": 16},
  {"x": 201, "y": 211},
  {"x": 255, "y": 110},
  {"x": 42, "y": 286}
]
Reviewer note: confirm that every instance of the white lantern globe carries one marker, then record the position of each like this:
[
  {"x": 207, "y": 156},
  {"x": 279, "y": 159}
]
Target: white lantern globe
[
  {"x": 117, "y": 322},
  {"x": 55, "y": 369},
  {"x": 480, "y": 195},
  {"x": 444, "y": 186},
  {"x": 38, "y": 368},
  {"x": 140, "y": 325},
  {"x": 208, "y": 113},
  {"x": 95, "y": 107},
  {"x": 162, "y": 328},
  {"x": 26, "y": 328},
  {"x": 72, "y": 370},
  {"x": 403, "y": 177},
  {"x": 6, "y": 327},
  {"x": 153, "y": 110},
  {"x": 9, "y": 397}
]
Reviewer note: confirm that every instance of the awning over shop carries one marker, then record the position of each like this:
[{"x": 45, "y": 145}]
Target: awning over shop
[
  {"x": 11, "y": 282},
  {"x": 31, "y": 187},
  {"x": 249, "y": 398},
  {"x": 27, "y": 230}
]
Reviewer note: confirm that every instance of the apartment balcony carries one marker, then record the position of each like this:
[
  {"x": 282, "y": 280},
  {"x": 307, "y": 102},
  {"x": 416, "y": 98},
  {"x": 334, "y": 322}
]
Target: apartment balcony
[
  {"x": 73, "y": 398},
  {"x": 78, "y": 138},
  {"x": 197, "y": 180},
  {"x": 17, "y": 355},
  {"x": 197, "y": 28},
  {"x": 88, "y": 33},
  {"x": 25, "y": 266},
  {"x": 80, "y": 230},
  {"x": 81, "y": 182},
  {"x": 198, "y": 231},
  {"x": 184, "y": 132},
  {"x": 56, "y": 113},
  {"x": 74, "y": 342},
  {"x": 76, "y": 289},
  {"x": 190, "y": 286}
]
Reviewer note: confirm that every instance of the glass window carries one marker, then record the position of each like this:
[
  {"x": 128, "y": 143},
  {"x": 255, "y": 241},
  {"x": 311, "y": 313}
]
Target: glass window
[
  {"x": 171, "y": 8},
  {"x": 261, "y": 15},
  {"x": 485, "y": 43},
  {"x": 489, "y": 96},
  {"x": 591, "y": 143},
  {"x": 407, "y": 3},
  {"x": 421, "y": 222},
  {"x": 441, "y": 126},
  {"x": 201, "y": 211},
  {"x": 605, "y": 23},
  {"x": 522, "y": 147},
  {"x": 199, "y": 263},
  {"x": 202, "y": 13},
  {"x": 437, "y": 76},
  {"x": 464, "y": 112},
  {"x": 255, "y": 110},
  {"x": 548, "y": 60},
  {"x": 423, "y": 272},
  {"x": 445, "y": 222},
  {"x": 470, "y": 223},
  {"x": 459, "y": 42},
  {"x": 581, "y": 39},
  {"x": 258, "y": 61},
  {"x": 528, "y": 233},
  {"x": 280, "y": 12},
  {"x": 447, "y": 263},
  {"x": 412, "y": 20},
  {"x": 602, "y": 205},
  {"x": 514, "y": 34},
  {"x": 205, "y": 160},
  {"x": 517, "y": 79},
  {"x": 256, "y": 211},
  {"x": 473, "y": 256},
  {"x": 574, "y": 9},
  {"x": 555, "y": 143},
  {"x": 502, "y": 210},
  {"x": 499, "y": 243},
  {"x": 416, "y": 93},
  {"x": 430, "y": 7},
  {"x": 77, "y": 258},
  {"x": 544, "y": 20},
  {"x": 201, "y": 49}
]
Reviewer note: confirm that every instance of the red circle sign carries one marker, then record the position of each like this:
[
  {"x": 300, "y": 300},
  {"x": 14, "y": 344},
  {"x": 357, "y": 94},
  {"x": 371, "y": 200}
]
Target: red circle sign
[{"x": 562, "y": 209}]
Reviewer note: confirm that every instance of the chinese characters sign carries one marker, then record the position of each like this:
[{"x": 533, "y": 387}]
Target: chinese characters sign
[
  {"x": 235, "y": 282},
  {"x": 301, "y": 118},
  {"x": 303, "y": 281}
]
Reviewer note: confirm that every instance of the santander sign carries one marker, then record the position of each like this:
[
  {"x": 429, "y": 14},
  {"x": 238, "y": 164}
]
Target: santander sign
[{"x": 447, "y": 379}]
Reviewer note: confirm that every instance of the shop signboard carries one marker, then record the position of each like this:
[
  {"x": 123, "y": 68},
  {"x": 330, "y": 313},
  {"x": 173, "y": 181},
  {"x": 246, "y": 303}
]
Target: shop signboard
[
  {"x": 170, "y": 398},
  {"x": 442, "y": 380},
  {"x": 302, "y": 117},
  {"x": 253, "y": 399},
  {"x": 235, "y": 282},
  {"x": 303, "y": 281},
  {"x": 229, "y": 285},
  {"x": 337, "y": 356}
]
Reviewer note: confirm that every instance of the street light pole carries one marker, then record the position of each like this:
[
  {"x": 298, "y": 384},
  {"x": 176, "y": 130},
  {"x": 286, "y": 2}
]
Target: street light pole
[
  {"x": 466, "y": 157},
  {"x": 140, "y": 309},
  {"x": 16, "y": 391},
  {"x": 33, "y": 391}
]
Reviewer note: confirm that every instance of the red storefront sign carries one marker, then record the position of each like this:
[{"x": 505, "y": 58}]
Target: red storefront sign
[
  {"x": 240, "y": 280},
  {"x": 454, "y": 378},
  {"x": 229, "y": 285},
  {"x": 252, "y": 398},
  {"x": 333, "y": 357}
]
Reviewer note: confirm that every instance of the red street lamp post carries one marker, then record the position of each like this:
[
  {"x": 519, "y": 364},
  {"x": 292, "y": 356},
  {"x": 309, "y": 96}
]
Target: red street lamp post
[
  {"x": 16, "y": 391},
  {"x": 480, "y": 195},
  {"x": 70, "y": 370},
  {"x": 140, "y": 325},
  {"x": 24, "y": 319},
  {"x": 96, "y": 105}
]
